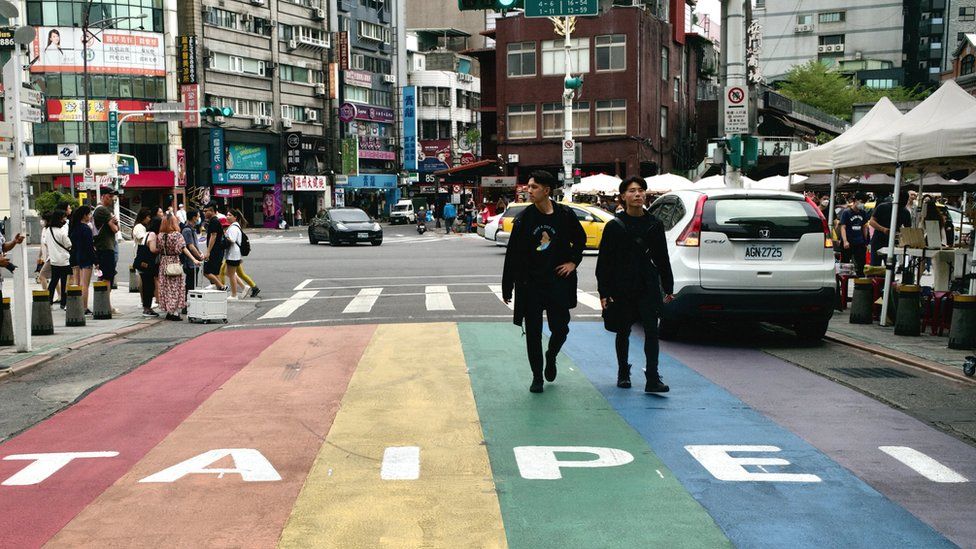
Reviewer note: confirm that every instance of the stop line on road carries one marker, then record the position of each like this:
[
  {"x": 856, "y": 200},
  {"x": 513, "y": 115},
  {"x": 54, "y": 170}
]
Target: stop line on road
[{"x": 425, "y": 434}]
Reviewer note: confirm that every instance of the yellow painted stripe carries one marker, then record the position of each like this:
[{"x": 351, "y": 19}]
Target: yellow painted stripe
[{"x": 410, "y": 389}]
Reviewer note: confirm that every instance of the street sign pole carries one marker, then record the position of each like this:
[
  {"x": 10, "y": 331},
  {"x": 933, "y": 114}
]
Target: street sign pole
[
  {"x": 13, "y": 74},
  {"x": 568, "y": 95},
  {"x": 71, "y": 171},
  {"x": 734, "y": 72}
]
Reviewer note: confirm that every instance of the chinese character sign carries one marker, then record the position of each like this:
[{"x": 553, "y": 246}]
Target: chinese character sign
[
  {"x": 410, "y": 128},
  {"x": 217, "y": 154}
]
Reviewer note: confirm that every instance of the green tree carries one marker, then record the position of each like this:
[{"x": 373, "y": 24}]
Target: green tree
[
  {"x": 818, "y": 86},
  {"x": 47, "y": 202}
]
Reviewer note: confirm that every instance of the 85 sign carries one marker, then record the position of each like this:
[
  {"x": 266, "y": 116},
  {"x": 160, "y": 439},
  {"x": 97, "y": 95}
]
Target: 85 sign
[{"x": 7, "y": 38}]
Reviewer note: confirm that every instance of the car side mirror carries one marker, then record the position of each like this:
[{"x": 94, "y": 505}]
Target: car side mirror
[{"x": 588, "y": 218}]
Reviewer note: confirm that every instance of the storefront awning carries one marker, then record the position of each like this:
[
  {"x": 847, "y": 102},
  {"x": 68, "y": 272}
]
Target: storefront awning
[
  {"x": 149, "y": 179},
  {"x": 52, "y": 165},
  {"x": 474, "y": 169}
]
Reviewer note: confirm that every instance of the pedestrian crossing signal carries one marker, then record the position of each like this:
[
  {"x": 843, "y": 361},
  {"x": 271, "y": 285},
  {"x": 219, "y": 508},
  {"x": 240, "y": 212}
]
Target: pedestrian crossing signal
[{"x": 217, "y": 111}]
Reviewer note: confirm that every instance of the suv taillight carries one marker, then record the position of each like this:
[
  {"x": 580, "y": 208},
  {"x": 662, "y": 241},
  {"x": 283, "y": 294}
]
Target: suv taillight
[
  {"x": 692, "y": 233},
  {"x": 828, "y": 242}
]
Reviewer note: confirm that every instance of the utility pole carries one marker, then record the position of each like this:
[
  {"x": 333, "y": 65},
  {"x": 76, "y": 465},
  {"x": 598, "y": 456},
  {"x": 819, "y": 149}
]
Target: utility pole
[{"x": 733, "y": 77}]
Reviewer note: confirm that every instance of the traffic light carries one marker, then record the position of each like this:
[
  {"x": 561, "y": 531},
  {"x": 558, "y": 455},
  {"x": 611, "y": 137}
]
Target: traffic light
[
  {"x": 750, "y": 154},
  {"x": 216, "y": 111},
  {"x": 734, "y": 145},
  {"x": 573, "y": 82},
  {"x": 497, "y": 5}
]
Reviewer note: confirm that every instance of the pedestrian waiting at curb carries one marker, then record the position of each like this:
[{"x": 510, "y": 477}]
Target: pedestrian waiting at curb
[
  {"x": 146, "y": 262},
  {"x": 59, "y": 255},
  {"x": 634, "y": 280},
  {"x": 82, "y": 251},
  {"x": 251, "y": 289},
  {"x": 106, "y": 225},
  {"x": 6, "y": 264},
  {"x": 214, "y": 254},
  {"x": 854, "y": 234},
  {"x": 544, "y": 250},
  {"x": 171, "y": 247},
  {"x": 190, "y": 268},
  {"x": 450, "y": 214}
]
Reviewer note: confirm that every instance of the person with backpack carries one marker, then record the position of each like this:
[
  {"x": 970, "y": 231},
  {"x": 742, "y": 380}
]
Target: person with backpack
[
  {"x": 245, "y": 246},
  {"x": 59, "y": 254},
  {"x": 233, "y": 238},
  {"x": 634, "y": 279}
]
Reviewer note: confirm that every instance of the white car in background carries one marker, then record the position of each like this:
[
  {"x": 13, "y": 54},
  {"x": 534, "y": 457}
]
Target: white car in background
[
  {"x": 747, "y": 255},
  {"x": 491, "y": 228}
]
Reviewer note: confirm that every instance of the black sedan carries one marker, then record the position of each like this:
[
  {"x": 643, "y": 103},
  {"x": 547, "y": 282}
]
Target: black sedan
[{"x": 344, "y": 226}]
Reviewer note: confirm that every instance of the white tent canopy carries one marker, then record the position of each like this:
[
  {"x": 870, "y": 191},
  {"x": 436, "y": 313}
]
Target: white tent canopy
[
  {"x": 597, "y": 184},
  {"x": 666, "y": 182},
  {"x": 821, "y": 159},
  {"x": 718, "y": 181},
  {"x": 777, "y": 182}
]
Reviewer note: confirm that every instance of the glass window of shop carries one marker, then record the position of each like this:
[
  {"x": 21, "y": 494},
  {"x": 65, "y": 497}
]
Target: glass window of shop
[
  {"x": 111, "y": 86},
  {"x": 145, "y": 140},
  {"x": 67, "y": 13}
]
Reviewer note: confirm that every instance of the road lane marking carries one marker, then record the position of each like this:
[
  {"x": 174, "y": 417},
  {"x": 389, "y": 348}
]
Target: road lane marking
[
  {"x": 923, "y": 464},
  {"x": 421, "y": 277},
  {"x": 290, "y": 305},
  {"x": 588, "y": 300},
  {"x": 401, "y": 463},
  {"x": 304, "y": 283},
  {"x": 364, "y": 301},
  {"x": 438, "y": 299},
  {"x": 497, "y": 290}
]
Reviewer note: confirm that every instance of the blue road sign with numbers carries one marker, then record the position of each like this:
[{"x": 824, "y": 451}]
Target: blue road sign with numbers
[
  {"x": 560, "y": 8},
  {"x": 113, "y": 131}
]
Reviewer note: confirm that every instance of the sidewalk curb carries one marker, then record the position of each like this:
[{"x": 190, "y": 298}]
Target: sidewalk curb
[
  {"x": 37, "y": 360},
  {"x": 898, "y": 356}
]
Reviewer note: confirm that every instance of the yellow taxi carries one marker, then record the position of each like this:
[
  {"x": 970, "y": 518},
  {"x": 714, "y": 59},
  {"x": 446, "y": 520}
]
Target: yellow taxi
[{"x": 592, "y": 219}]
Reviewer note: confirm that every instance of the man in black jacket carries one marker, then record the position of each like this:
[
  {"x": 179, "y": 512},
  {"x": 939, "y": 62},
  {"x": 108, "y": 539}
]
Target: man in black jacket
[
  {"x": 545, "y": 247},
  {"x": 632, "y": 272}
]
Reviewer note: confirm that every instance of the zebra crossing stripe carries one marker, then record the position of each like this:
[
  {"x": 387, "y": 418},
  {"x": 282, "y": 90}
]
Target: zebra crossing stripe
[
  {"x": 438, "y": 299},
  {"x": 364, "y": 301},
  {"x": 588, "y": 300},
  {"x": 290, "y": 305},
  {"x": 497, "y": 290}
]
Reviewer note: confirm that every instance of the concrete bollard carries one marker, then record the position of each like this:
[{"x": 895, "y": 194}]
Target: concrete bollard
[
  {"x": 862, "y": 304},
  {"x": 907, "y": 320},
  {"x": 134, "y": 281},
  {"x": 41, "y": 321},
  {"x": 7, "y": 332},
  {"x": 101, "y": 306},
  {"x": 75, "y": 311},
  {"x": 962, "y": 332}
]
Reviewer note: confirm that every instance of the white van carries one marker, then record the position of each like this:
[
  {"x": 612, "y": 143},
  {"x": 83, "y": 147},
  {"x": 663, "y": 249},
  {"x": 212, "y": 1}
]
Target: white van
[
  {"x": 403, "y": 212},
  {"x": 742, "y": 254}
]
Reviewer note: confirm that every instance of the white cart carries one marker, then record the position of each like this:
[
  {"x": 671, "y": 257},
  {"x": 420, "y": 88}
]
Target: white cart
[{"x": 206, "y": 306}]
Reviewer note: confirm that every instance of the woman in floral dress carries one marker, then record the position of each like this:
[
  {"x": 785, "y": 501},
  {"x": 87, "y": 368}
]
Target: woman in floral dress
[{"x": 170, "y": 244}]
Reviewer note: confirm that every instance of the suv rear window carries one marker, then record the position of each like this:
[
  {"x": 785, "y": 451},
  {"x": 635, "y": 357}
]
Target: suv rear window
[
  {"x": 512, "y": 211},
  {"x": 784, "y": 218}
]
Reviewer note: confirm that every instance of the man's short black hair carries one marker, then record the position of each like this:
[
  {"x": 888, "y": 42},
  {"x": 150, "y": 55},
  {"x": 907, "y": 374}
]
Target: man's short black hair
[
  {"x": 626, "y": 183},
  {"x": 191, "y": 213},
  {"x": 543, "y": 177}
]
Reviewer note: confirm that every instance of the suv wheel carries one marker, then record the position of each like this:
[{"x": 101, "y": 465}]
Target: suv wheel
[
  {"x": 311, "y": 237},
  {"x": 811, "y": 332},
  {"x": 668, "y": 329}
]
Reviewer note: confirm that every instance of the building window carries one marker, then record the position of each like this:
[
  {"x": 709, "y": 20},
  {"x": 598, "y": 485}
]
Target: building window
[
  {"x": 357, "y": 94},
  {"x": 552, "y": 119},
  {"x": 832, "y": 40},
  {"x": 611, "y": 117},
  {"x": 880, "y": 83},
  {"x": 967, "y": 14},
  {"x": 291, "y": 73},
  {"x": 358, "y": 62},
  {"x": 664, "y": 122},
  {"x": 372, "y": 31},
  {"x": 665, "y": 56},
  {"x": 611, "y": 52},
  {"x": 521, "y": 59},
  {"x": 966, "y": 66},
  {"x": 804, "y": 19},
  {"x": 554, "y": 56},
  {"x": 521, "y": 121},
  {"x": 677, "y": 89},
  {"x": 428, "y": 97},
  {"x": 832, "y": 17}
]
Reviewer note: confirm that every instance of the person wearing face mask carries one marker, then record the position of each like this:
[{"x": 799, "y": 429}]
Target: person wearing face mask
[
  {"x": 854, "y": 234},
  {"x": 825, "y": 206}
]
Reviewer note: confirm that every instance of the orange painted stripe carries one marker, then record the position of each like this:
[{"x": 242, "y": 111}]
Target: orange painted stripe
[{"x": 281, "y": 404}]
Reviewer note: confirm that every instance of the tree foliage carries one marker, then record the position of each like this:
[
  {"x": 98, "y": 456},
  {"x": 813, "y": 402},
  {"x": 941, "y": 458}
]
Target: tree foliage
[
  {"x": 45, "y": 203},
  {"x": 818, "y": 86}
]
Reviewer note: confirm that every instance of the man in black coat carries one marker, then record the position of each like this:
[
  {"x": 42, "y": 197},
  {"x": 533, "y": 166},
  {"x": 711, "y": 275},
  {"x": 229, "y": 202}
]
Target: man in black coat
[
  {"x": 545, "y": 247},
  {"x": 634, "y": 278}
]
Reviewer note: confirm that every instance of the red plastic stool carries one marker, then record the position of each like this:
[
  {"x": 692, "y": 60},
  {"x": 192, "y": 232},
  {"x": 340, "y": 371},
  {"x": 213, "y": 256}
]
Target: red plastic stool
[{"x": 842, "y": 281}]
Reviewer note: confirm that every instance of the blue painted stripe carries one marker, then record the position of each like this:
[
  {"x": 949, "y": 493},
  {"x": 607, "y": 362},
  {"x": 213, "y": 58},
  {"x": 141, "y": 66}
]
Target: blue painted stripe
[{"x": 840, "y": 511}]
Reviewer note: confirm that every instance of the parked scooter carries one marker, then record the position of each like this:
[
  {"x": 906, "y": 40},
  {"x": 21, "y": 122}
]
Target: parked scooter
[{"x": 422, "y": 221}]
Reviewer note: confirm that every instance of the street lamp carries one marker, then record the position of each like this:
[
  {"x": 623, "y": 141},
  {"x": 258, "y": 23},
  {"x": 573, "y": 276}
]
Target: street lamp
[{"x": 86, "y": 25}]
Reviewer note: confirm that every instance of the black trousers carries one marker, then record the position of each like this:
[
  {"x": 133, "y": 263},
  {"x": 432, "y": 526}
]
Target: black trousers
[
  {"x": 59, "y": 275},
  {"x": 148, "y": 288},
  {"x": 643, "y": 311},
  {"x": 856, "y": 254},
  {"x": 557, "y": 314},
  {"x": 876, "y": 247}
]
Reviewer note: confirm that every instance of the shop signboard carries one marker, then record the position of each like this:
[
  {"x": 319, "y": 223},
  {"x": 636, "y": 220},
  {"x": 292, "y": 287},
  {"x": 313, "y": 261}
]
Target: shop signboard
[
  {"x": 186, "y": 59},
  {"x": 314, "y": 183},
  {"x": 59, "y": 49},
  {"x": 247, "y": 157},
  {"x": 507, "y": 182},
  {"x": 410, "y": 128},
  {"x": 347, "y": 112},
  {"x": 181, "y": 167},
  {"x": 350, "y": 156},
  {"x": 372, "y": 181},
  {"x": 217, "y": 154},
  {"x": 191, "y": 103},
  {"x": 351, "y": 111},
  {"x": 435, "y": 155},
  {"x": 333, "y": 81},
  {"x": 70, "y": 110},
  {"x": 358, "y": 78},
  {"x": 293, "y": 152},
  {"x": 223, "y": 191},
  {"x": 264, "y": 177},
  {"x": 343, "y": 41}
]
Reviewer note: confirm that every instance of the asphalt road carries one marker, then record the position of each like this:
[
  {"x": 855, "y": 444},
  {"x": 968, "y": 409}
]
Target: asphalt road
[{"x": 352, "y": 350}]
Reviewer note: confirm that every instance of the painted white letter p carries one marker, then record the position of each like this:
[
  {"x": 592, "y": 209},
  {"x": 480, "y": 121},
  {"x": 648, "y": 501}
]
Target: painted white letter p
[{"x": 540, "y": 463}]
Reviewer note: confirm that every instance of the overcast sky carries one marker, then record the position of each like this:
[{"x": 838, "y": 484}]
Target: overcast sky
[{"x": 712, "y": 7}]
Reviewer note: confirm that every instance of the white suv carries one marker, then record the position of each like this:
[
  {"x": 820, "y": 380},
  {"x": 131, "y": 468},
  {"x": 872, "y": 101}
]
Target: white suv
[{"x": 747, "y": 255}]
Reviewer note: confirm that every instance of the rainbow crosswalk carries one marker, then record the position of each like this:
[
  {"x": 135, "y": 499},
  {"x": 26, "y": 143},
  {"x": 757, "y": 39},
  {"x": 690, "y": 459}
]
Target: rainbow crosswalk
[{"x": 424, "y": 435}]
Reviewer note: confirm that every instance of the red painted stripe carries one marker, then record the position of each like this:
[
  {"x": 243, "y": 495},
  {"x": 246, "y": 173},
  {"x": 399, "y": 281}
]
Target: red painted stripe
[{"x": 129, "y": 415}]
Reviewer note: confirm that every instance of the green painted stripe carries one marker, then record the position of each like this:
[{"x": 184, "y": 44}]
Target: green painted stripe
[{"x": 625, "y": 506}]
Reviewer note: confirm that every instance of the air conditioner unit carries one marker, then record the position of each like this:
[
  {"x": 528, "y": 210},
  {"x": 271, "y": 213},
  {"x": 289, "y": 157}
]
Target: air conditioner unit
[
  {"x": 286, "y": 123},
  {"x": 803, "y": 28},
  {"x": 312, "y": 116},
  {"x": 465, "y": 77},
  {"x": 258, "y": 2},
  {"x": 261, "y": 121},
  {"x": 858, "y": 55},
  {"x": 247, "y": 18},
  {"x": 838, "y": 47},
  {"x": 292, "y": 44},
  {"x": 389, "y": 79},
  {"x": 207, "y": 10},
  {"x": 446, "y": 103},
  {"x": 320, "y": 90},
  {"x": 318, "y": 14},
  {"x": 821, "y": 48}
]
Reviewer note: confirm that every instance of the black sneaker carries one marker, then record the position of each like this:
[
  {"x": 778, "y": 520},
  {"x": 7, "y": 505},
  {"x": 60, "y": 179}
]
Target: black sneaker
[
  {"x": 550, "y": 367},
  {"x": 173, "y": 317},
  {"x": 623, "y": 377},
  {"x": 536, "y": 386},
  {"x": 655, "y": 385},
  {"x": 149, "y": 313},
  {"x": 255, "y": 291}
]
